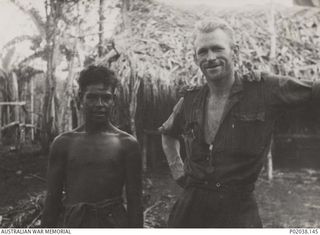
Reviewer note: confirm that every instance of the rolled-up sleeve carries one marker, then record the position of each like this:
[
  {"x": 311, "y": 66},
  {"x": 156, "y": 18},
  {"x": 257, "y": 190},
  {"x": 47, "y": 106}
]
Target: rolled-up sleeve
[
  {"x": 289, "y": 92},
  {"x": 174, "y": 125}
]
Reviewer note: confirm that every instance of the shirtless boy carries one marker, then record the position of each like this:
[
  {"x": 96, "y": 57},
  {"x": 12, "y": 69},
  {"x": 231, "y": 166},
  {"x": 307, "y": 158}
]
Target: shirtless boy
[{"x": 93, "y": 163}]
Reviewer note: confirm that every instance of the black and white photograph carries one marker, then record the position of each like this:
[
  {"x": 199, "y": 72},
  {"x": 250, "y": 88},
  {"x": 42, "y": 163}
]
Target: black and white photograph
[{"x": 159, "y": 114}]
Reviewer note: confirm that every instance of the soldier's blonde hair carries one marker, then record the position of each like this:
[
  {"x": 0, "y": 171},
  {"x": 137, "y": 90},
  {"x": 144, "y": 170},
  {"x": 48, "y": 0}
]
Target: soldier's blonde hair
[{"x": 209, "y": 25}]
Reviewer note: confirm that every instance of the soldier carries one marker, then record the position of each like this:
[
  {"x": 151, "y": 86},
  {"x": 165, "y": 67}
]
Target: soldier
[
  {"x": 226, "y": 126},
  {"x": 93, "y": 163}
]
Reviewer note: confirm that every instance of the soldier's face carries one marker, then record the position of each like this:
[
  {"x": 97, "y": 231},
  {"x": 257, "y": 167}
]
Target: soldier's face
[
  {"x": 213, "y": 54},
  {"x": 98, "y": 101}
]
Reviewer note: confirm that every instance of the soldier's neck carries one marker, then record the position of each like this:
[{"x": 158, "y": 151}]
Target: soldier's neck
[{"x": 222, "y": 87}]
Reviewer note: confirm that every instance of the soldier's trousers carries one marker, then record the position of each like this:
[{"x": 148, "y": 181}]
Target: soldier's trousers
[{"x": 205, "y": 208}]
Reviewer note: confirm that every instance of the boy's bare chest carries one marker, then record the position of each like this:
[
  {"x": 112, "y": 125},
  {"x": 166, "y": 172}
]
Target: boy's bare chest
[{"x": 99, "y": 152}]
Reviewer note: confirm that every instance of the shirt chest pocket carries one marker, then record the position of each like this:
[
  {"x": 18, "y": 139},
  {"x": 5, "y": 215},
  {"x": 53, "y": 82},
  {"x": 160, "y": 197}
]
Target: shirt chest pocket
[
  {"x": 248, "y": 132},
  {"x": 195, "y": 149}
]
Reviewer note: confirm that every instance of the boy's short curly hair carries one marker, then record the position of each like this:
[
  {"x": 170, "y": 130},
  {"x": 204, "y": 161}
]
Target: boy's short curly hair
[{"x": 96, "y": 74}]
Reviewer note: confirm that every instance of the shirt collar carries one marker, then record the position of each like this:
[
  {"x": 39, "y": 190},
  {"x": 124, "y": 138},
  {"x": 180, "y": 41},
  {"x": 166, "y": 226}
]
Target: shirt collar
[{"x": 237, "y": 85}]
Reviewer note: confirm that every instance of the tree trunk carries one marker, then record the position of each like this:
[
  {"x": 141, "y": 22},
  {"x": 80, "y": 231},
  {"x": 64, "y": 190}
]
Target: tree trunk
[
  {"x": 15, "y": 96},
  {"x": 65, "y": 103},
  {"x": 49, "y": 118}
]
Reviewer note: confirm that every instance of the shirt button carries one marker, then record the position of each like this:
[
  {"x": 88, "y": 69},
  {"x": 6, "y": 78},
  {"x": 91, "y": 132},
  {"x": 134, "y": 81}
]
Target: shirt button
[{"x": 218, "y": 185}]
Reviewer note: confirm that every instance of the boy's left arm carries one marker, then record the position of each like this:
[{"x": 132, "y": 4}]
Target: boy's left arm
[{"x": 133, "y": 168}]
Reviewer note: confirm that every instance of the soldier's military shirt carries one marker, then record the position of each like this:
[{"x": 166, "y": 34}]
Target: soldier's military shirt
[{"x": 236, "y": 156}]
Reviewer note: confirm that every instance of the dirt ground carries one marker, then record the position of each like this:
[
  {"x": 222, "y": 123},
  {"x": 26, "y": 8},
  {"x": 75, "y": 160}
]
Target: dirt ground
[
  {"x": 22, "y": 174},
  {"x": 290, "y": 200}
]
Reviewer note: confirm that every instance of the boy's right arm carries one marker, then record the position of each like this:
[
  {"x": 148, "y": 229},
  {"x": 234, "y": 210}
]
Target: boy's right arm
[{"x": 55, "y": 180}]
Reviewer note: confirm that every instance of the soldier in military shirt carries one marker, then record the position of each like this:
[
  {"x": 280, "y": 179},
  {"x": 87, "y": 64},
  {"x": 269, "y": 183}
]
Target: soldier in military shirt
[{"x": 226, "y": 126}]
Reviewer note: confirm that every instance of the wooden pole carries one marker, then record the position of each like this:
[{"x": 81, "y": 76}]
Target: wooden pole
[
  {"x": 32, "y": 108},
  {"x": 272, "y": 58},
  {"x": 269, "y": 161},
  {"x": 8, "y": 118},
  {"x": 101, "y": 27},
  {"x": 0, "y": 124},
  {"x": 144, "y": 151},
  {"x": 272, "y": 33},
  {"x": 12, "y": 124}
]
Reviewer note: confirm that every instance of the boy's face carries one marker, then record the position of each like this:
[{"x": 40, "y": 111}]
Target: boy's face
[{"x": 98, "y": 100}]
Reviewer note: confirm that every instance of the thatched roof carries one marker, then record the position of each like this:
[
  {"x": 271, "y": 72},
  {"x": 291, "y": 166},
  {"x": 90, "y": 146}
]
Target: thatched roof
[
  {"x": 158, "y": 41},
  {"x": 157, "y": 53}
]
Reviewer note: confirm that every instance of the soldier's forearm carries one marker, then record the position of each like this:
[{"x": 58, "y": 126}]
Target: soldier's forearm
[{"x": 171, "y": 148}]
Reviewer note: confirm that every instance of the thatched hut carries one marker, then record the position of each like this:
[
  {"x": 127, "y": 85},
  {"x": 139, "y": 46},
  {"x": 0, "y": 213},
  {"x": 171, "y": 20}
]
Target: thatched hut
[{"x": 157, "y": 56}]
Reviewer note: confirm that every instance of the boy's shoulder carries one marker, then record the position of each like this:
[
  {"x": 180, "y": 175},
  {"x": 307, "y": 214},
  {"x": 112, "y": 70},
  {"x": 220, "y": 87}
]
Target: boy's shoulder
[
  {"x": 125, "y": 137},
  {"x": 64, "y": 138}
]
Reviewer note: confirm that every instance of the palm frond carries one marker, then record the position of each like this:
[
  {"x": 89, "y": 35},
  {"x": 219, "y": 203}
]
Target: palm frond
[
  {"x": 35, "y": 55},
  {"x": 34, "y": 15},
  {"x": 7, "y": 59},
  {"x": 17, "y": 40}
]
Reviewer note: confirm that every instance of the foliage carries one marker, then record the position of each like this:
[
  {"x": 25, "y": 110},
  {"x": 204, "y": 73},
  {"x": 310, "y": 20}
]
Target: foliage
[{"x": 156, "y": 53}]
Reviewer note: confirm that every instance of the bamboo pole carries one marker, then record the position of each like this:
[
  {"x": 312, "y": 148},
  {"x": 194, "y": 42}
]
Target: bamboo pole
[
  {"x": 12, "y": 124},
  {"x": 14, "y": 103}
]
